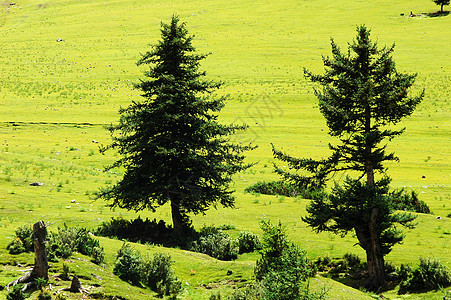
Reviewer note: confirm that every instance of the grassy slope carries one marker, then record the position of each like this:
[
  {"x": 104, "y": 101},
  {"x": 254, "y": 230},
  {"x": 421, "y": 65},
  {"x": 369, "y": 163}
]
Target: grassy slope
[{"x": 61, "y": 93}]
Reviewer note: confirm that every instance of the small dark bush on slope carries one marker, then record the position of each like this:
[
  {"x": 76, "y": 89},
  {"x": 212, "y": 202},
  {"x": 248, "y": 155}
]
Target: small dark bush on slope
[
  {"x": 429, "y": 275},
  {"x": 215, "y": 243},
  {"x": 154, "y": 272}
]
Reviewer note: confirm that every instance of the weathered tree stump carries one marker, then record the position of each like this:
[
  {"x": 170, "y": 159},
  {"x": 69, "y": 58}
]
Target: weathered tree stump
[
  {"x": 75, "y": 286},
  {"x": 41, "y": 266}
]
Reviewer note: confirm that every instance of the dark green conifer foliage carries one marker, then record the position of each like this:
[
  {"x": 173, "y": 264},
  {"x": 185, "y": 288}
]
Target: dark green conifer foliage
[
  {"x": 172, "y": 147},
  {"x": 441, "y": 3},
  {"x": 362, "y": 97}
]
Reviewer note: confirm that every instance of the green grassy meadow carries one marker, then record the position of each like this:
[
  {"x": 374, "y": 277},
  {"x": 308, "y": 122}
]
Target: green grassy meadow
[{"x": 56, "y": 98}]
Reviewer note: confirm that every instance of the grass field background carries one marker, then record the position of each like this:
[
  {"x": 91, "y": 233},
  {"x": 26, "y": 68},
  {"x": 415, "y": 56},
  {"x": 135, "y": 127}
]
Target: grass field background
[{"x": 56, "y": 97}]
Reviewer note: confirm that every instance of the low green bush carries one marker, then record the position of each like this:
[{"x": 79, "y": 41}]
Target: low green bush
[
  {"x": 74, "y": 239},
  {"x": 16, "y": 246},
  {"x": 352, "y": 260},
  {"x": 248, "y": 242},
  {"x": 155, "y": 272},
  {"x": 429, "y": 275},
  {"x": 98, "y": 255},
  {"x": 253, "y": 291},
  {"x": 227, "y": 227},
  {"x": 25, "y": 234},
  {"x": 58, "y": 248},
  {"x": 217, "y": 244},
  {"x": 23, "y": 241},
  {"x": 159, "y": 277},
  {"x": 129, "y": 265}
]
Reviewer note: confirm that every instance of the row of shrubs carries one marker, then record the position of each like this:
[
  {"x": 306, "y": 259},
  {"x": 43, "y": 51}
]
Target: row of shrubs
[
  {"x": 210, "y": 240},
  {"x": 61, "y": 244},
  {"x": 136, "y": 230},
  {"x": 400, "y": 198},
  {"x": 283, "y": 188},
  {"x": 154, "y": 272},
  {"x": 430, "y": 274}
]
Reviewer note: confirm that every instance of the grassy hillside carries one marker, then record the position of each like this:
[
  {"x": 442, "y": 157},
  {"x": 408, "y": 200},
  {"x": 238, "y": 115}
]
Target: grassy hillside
[{"x": 56, "y": 96}]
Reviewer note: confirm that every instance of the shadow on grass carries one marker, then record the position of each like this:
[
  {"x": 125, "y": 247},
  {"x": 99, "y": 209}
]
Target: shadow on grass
[{"x": 438, "y": 14}]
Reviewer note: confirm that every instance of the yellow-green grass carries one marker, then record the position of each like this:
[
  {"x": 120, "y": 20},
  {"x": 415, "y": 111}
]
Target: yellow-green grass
[{"x": 55, "y": 98}]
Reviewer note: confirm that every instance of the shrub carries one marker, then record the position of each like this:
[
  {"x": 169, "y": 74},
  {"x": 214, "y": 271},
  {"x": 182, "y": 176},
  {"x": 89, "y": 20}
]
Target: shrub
[
  {"x": 283, "y": 266},
  {"x": 128, "y": 265},
  {"x": 209, "y": 230},
  {"x": 23, "y": 241},
  {"x": 323, "y": 263},
  {"x": 16, "y": 246},
  {"x": 352, "y": 260},
  {"x": 253, "y": 291},
  {"x": 155, "y": 272},
  {"x": 274, "y": 243},
  {"x": 430, "y": 274},
  {"x": 159, "y": 276},
  {"x": 389, "y": 268},
  {"x": 285, "y": 280},
  {"x": 405, "y": 271},
  {"x": 56, "y": 248},
  {"x": 98, "y": 255},
  {"x": 69, "y": 240},
  {"x": 227, "y": 227},
  {"x": 217, "y": 244},
  {"x": 25, "y": 234},
  {"x": 41, "y": 283},
  {"x": 215, "y": 296},
  {"x": 248, "y": 242},
  {"x": 66, "y": 271}
]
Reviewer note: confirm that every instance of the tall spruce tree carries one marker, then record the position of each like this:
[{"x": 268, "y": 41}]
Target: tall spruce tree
[
  {"x": 362, "y": 97},
  {"x": 172, "y": 147}
]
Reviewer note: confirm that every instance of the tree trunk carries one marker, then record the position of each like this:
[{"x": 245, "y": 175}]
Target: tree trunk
[
  {"x": 41, "y": 266},
  {"x": 368, "y": 150},
  {"x": 369, "y": 241},
  {"x": 177, "y": 217},
  {"x": 375, "y": 257},
  {"x": 441, "y": 9}
]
